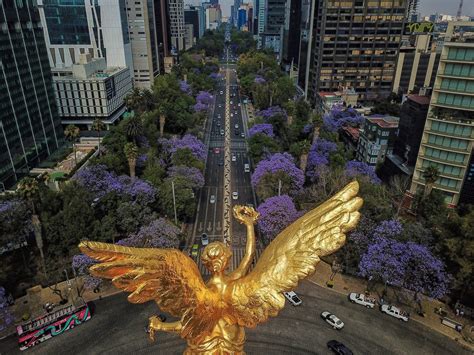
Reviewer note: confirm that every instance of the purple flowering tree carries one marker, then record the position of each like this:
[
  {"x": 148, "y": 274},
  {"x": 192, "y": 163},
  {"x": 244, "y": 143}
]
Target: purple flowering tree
[
  {"x": 385, "y": 260},
  {"x": 15, "y": 220},
  {"x": 192, "y": 174},
  {"x": 81, "y": 264},
  {"x": 424, "y": 273},
  {"x": 356, "y": 168},
  {"x": 204, "y": 97},
  {"x": 6, "y": 316},
  {"x": 339, "y": 117},
  {"x": 259, "y": 80},
  {"x": 160, "y": 233},
  {"x": 215, "y": 76},
  {"x": 99, "y": 181},
  {"x": 171, "y": 146},
  {"x": 200, "y": 107},
  {"x": 318, "y": 157},
  {"x": 276, "y": 213},
  {"x": 278, "y": 170},
  {"x": 262, "y": 128},
  {"x": 185, "y": 87},
  {"x": 270, "y": 112}
]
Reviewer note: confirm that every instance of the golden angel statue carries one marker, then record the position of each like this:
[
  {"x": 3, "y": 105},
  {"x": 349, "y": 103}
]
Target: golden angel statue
[{"x": 213, "y": 315}]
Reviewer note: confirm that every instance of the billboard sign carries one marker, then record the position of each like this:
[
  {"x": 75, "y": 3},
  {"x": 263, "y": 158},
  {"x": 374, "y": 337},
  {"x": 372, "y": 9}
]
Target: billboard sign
[{"x": 419, "y": 27}]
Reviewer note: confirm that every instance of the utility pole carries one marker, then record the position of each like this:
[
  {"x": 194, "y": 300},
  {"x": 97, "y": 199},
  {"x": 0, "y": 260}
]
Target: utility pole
[
  {"x": 174, "y": 204},
  {"x": 279, "y": 187}
]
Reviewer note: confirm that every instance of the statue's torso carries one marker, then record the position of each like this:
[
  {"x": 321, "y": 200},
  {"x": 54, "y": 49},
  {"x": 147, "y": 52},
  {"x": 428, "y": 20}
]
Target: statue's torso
[{"x": 224, "y": 339}]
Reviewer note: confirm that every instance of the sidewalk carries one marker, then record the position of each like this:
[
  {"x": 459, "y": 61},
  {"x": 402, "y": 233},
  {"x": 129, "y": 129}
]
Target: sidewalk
[{"x": 345, "y": 284}]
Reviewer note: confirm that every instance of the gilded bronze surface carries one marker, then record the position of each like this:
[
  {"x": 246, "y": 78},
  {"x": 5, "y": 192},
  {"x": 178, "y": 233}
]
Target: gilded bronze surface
[{"x": 213, "y": 315}]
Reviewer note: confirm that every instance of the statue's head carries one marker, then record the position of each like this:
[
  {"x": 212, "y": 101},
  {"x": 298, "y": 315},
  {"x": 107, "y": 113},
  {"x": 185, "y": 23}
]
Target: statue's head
[{"x": 216, "y": 257}]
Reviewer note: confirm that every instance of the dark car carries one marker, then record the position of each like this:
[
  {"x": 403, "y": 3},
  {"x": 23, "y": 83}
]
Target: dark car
[{"x": 339, "y": 348}]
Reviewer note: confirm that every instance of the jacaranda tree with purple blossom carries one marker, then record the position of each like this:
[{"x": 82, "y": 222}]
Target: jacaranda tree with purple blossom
[
  {"x": 277, "y": 169},
  {"x": 194, "y": 175},
  {"x": 356, "y": 168},
  {"x": 319, "y": 156},
  {"x": 81, "y": 264},
  {"x": 6, "y": 315},
  {"x": 171, "y": 146},
  {"x": 160, "y": 233},
  {"x": 261, "y": 128},
  {"x": 340, "y": 116},
  {"x": 185, "y": 87},
  {"x": 15, "y": 220},
  {"x": 276, "y": 213}
]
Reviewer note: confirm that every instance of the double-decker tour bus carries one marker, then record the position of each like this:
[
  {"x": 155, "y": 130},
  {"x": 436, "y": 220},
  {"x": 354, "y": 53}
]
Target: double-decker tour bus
[{"x": 51, "y": 324}]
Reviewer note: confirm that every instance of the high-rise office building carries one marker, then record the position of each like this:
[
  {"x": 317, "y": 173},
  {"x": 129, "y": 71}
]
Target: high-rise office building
[
  {"x": 192, "y": 17},
  {"x": 78, "y": 27},
  {"x": 176, "y": 24},
  {"x": 290, "y": 43},
  {"x": 416, "y": 65},
  {"x": 30, "y": 128},
  {"x": 356, "y": 44},
  {"x": 213, "y": 17},
  {"x": 448, "y": 137},
  {"x": 142, "y": 29},
  {"x": 305, "y": 44}
]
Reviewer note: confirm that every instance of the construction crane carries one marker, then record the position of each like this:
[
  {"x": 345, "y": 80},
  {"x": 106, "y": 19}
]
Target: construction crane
[{"x": 458, "y": 15}]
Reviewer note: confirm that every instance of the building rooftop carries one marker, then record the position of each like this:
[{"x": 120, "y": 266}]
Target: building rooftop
[
  {"x": 422, "y": 100},
  {"x": 384, "y": 121},
  {"x": 352, "y": 131}
]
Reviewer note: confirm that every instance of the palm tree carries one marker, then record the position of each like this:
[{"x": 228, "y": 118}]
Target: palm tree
[
  {"x": 131, "y": 152},
  {"x": 133, "y": 100},
  {"x": 305, "y": 146},
  {"x": 134, "y": 127},
  {"x": 431, "y": 174},
  {"x": 147, "y": 101},
  {"x": 317, "y": 122},
  {"x": 72, "y": 133},
  {"x": 98, "y": 125},
  {"x": 28, "y": 189}
]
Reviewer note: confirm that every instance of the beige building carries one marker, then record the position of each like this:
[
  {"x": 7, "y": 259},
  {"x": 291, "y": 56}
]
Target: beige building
[
  {"x": 448, "y": 137},
  {"x": 416, "y": 65},
  {"x": 176, "y": 24},
  {"x": 213, "y": 17}
]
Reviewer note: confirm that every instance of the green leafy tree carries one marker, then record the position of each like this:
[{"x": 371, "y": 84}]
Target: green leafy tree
[
  {"x": 184, "y": 195},
  {"x": 261, "y": 144},
  {"x": 431, "y": 174},
  {"x": 72, "y": 133},
  {"x": 185, "y": 157},
  {"x": 98, "y": 126},
  {"x": 131, "y": 152}
]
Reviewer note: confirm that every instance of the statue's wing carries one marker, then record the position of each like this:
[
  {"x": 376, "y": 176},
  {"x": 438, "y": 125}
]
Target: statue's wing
[
  {"x": 166, "y": 276},
  {"x": 292, "y": 256}
]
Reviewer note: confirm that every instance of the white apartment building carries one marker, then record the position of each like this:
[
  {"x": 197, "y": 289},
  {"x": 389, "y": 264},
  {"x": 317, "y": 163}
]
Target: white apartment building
[
  {"x": 176, "y": 24},
  {"x": 90, "y": 89}
]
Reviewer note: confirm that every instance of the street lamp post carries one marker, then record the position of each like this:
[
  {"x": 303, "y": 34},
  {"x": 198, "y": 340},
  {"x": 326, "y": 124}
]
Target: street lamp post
[
  {"x": 174, "y": 203},
  {"x": 279, "y": 187}
]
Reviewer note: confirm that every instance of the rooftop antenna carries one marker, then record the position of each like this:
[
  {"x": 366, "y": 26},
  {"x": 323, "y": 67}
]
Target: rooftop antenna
[{"x": 458, "y": 15}]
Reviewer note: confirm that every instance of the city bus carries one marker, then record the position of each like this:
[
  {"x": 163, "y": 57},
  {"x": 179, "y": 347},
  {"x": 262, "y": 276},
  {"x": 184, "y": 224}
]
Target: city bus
[{"x": 51, "y": 324}]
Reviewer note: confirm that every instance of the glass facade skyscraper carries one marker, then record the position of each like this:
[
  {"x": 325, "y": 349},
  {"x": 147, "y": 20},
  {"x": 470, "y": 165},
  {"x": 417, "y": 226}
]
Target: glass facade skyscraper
[{"x": 30, "y": 128}]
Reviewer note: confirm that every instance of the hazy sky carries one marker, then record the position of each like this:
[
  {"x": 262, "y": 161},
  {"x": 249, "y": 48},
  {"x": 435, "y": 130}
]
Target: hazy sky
[{"x": 427, "y": 7}]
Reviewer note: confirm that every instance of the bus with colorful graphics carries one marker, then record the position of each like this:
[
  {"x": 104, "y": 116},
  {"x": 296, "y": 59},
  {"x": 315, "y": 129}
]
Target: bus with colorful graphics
[{"x": 51, "y": 324}]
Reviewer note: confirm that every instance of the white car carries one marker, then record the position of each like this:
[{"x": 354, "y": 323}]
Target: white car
[
  {"x": 212, "y": 199},
  {"x": 235, "y": 195},
  {"x": 293, "y": 298},
  {"x": 234, "y": 158},
  {"x": 395, "y": 312},
  {"x": 236, "y": 125},
  {"x": 335, "y": 322},
  {"x": 362, "y": 299}
]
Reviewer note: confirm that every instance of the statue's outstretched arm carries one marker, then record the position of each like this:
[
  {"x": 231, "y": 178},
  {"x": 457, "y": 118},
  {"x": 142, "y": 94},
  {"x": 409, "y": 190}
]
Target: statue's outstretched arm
[
  {"x": 157, "y": 325},
  {"x": 247, "y": 216}
]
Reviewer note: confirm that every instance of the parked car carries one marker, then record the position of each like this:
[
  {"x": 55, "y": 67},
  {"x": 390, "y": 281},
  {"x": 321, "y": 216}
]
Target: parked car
[
  {"x": 212, "y": 199},
  {"x": 335, "y": 322},
  {"x": 235, "y": 195},
  {"x": 204, "y": 239},
  {"x": 362, "y": 299},
  {"x": 395, "y": 312},
  {"x": 338, "y": 348},
  {"x": 194, "y": 250},
  {"x": 293, "y": 298}
]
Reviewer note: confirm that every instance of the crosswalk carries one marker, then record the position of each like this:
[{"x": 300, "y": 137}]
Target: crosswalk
[{"x": 237, "y": 255}]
